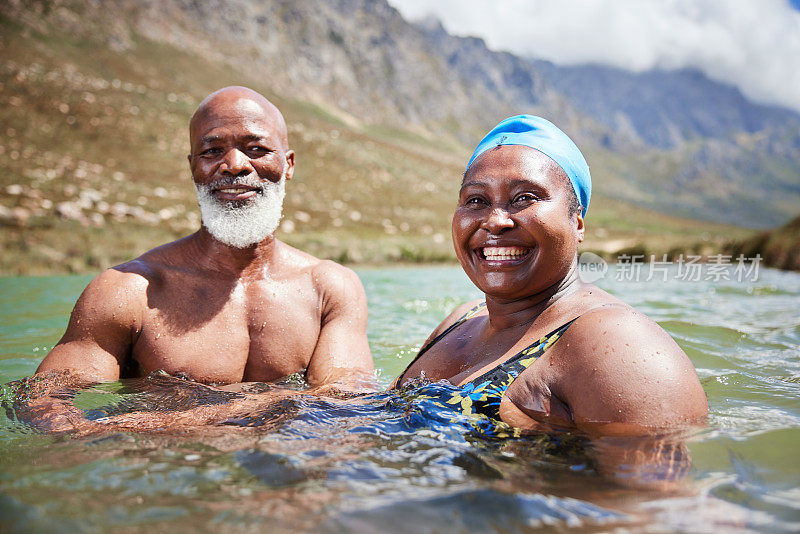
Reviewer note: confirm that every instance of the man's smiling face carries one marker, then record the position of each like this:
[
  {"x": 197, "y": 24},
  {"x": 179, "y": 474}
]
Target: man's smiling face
[{"x": 239, "y": 164}]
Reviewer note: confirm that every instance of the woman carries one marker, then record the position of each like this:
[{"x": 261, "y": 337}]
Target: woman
[{"x": 545, "y": 350}]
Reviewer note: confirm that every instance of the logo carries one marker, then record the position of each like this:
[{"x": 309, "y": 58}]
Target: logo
[{"x": 591, "y": 267}]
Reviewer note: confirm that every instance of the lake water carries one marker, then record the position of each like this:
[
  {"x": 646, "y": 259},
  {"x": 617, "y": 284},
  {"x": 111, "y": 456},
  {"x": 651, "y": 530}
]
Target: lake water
[{"x": 388, "y": 462}]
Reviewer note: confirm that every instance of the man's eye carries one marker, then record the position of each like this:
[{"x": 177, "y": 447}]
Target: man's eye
[
  {"x": 260, "y": 150},
  {"x": 213, "y": 151}
]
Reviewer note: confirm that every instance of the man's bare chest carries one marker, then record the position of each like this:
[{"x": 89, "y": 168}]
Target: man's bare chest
[{"x": 253, "y": 334}]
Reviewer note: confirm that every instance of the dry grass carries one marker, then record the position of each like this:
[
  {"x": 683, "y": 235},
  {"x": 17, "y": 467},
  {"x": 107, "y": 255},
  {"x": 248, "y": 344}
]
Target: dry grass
[{"x": 93, "y": 150}]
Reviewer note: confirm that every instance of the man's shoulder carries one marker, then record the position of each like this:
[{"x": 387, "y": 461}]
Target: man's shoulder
[
  {"x": 322, "y": 271},
  {"x": 337, "y": 286},
  {"x": 121, "y": 283},
  {"x": 157, "y": 261},
  {"x": 115, "y": 295},
  {"x": 167, "y": 255},
  {"x": 137, "y": 274},
  {"x": 330, "y": 270}
]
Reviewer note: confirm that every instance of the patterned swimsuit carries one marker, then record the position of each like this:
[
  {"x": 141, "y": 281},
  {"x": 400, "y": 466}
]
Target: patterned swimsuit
[{"x": 481, "y": 397}]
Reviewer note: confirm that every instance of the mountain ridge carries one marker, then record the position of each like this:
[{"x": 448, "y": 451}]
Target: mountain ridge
[
  {"x": 365, "y": 59},
  {"x": 95, "y": 97}
]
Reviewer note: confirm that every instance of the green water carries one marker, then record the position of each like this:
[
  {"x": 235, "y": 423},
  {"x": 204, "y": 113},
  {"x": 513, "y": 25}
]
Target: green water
[{"x": 373, "y": 466}]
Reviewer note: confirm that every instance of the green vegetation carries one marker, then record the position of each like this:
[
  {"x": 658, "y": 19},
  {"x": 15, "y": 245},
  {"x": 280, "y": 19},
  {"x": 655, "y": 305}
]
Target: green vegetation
[
  {"x": 779, "y": 248},
  {"x": 93, "y": 150}
]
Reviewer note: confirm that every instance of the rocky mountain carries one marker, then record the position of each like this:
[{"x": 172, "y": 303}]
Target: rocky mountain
[
  {"x": 694, "y": 147},
  {"x": 662, "y": 109},
  {"x": 359, "y": 56},
  {"x": 674, "y": 141},
  {"x": 739, "y": 157}
]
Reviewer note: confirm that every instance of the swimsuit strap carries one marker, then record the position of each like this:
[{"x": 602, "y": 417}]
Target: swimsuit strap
[
  {"x": 484, "y": 394},
  {"x": 480, "y": 398},
  {"x": 469, "y": 315},
  {"x": 523, "y": 359}
]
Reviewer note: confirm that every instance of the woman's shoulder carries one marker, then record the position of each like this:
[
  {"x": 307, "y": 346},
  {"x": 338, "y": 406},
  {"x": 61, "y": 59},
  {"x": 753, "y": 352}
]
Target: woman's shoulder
[
  {"x": 638, "y": 373},
  {"x": 454, "y": 317},
  {"x": 607, "y": 330},
  {"x": 615, "y": 320},
  {"x": 457, "y": 314}
]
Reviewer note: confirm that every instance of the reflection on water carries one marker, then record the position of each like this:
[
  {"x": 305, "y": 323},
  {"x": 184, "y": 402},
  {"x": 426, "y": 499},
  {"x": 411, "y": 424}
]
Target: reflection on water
[
  {"x": 390, "y": 462},
  {"x": 349, "y": 465}
]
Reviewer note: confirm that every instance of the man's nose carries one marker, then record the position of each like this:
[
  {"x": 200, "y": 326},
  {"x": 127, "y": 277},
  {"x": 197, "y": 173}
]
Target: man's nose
[
  {"x": 498, "y": 221},
  {"x": 235, "y": 163}
]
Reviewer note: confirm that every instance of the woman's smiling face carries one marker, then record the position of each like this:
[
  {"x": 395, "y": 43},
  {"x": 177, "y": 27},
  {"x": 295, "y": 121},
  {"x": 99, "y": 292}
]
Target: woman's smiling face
[{"x": 512, "y": 230}]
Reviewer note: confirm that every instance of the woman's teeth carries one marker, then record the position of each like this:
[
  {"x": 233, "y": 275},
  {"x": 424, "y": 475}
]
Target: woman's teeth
[{"x": 503, "y": 253}]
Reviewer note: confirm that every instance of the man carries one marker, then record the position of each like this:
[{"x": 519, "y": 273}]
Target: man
[{"x": 230, "y": 303}]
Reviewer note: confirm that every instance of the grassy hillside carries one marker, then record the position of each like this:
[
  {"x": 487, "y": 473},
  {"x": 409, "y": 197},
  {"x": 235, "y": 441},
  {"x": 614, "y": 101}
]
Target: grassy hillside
[
  {"x": 93, "y": 150},
  {"x": 779, "y": 248}
]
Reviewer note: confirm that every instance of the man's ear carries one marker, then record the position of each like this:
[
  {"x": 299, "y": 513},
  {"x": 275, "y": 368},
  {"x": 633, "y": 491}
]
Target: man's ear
[
  {"x": 579, "y": 227},
  {"x": 289, "y": 164}
]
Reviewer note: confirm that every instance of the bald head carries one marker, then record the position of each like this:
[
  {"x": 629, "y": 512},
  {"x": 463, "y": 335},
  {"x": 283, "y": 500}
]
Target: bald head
[{"x": 233, "y": 102}]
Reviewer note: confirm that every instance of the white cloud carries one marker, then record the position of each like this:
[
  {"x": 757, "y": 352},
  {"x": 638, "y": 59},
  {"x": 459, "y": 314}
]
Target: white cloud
[{"x": 754, "y": 45}]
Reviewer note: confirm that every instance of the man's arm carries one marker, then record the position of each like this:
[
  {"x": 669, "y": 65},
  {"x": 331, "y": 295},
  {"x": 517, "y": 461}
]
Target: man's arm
[
  {"x": 101, "y": 329},
  {"x": 93, "y": 348},
  {"x": 342, "y": 354}
]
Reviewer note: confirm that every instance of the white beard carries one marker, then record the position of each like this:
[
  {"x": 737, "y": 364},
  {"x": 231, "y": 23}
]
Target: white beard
[{"x": 242, "y": 224}]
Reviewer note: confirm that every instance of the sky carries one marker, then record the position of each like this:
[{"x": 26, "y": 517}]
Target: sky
[{"x": 752, "y": 44}]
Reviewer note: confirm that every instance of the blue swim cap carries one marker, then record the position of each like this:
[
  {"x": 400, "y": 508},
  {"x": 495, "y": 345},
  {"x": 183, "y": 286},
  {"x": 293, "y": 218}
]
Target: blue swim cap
[{"x": 544, "y": 136}]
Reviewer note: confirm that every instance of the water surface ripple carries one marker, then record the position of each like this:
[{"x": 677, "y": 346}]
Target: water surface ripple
[{"x": 390, "y": 462}]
